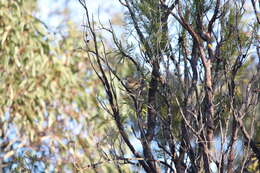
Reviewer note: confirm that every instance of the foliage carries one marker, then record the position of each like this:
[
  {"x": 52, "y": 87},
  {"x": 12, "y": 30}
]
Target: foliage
[
  {"x": 191, "y": 94},
  {"x": 48, "y": 106}
]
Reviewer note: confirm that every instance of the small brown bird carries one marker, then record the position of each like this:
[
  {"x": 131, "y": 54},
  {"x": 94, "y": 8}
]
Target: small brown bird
[{"x": 133, "y": 83}]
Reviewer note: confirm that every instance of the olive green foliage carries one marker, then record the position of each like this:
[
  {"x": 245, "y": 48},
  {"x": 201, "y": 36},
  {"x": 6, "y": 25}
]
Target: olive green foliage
[{"x": 49, "y": 116}]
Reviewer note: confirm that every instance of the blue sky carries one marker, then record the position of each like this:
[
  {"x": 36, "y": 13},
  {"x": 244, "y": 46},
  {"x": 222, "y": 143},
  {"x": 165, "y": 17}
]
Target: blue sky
[{"x": 102, "y": 7}]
